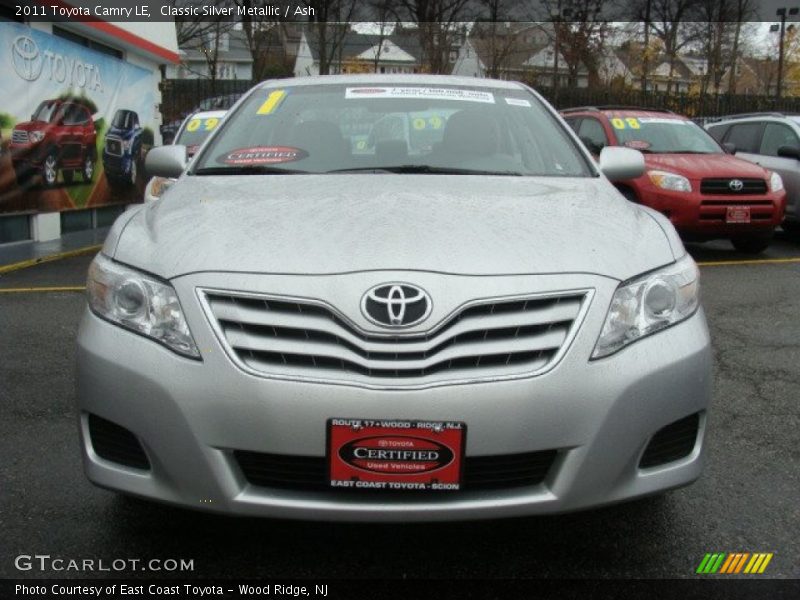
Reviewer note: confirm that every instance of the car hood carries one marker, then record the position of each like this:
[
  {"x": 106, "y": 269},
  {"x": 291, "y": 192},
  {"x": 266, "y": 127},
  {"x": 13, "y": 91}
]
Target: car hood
[
  {"x": 31, "y": 125},
  {"x": 322, "y": 224},
  {"x": 699, "y": 166}
]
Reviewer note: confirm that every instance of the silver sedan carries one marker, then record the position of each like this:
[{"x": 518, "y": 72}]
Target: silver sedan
[{"x": 399, "y": 298}]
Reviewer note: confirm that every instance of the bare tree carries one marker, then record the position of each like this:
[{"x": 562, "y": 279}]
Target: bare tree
[
  {"x": 382, "y": 12},
  {"x": 438, "y": 27},
  {"x": 330, "y": 23},
  {"x": 669, "y": 24},
  {"x": 192, "y": 31},
  {"x": 497, "y": 39},
  {"x": 743, "y": 11}
]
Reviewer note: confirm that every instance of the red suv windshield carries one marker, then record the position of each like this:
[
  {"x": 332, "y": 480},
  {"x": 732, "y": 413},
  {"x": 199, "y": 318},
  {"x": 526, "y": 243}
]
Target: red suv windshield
[
  {"x": 45, "y": 112},
  {"x": 661, "y": 135}
]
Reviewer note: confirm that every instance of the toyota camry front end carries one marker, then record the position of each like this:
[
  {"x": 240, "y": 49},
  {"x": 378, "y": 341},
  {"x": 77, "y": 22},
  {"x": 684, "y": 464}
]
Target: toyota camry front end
[{"x": 393, "y": 298}]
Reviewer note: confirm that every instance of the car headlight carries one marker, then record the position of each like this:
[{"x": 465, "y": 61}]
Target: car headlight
[
  {"x": 775, "y": 182},
  {"x": 140, "y": 303},
  {"x": 156, "y": 187},
  {"x": 36, "y": 136},
  {"x": 670, "y": 181},
  {"x": 648, "y": 304}
]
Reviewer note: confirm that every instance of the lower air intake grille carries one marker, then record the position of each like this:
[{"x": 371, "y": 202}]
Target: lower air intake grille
[
  {"x": 308, "y": 473},
  {"x": 672, "y": 442},
  {"x": 117, "y": 444}
]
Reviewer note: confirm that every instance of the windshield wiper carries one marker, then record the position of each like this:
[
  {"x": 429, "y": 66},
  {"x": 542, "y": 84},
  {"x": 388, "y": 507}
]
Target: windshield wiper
[
  {"x": 425, "y": 169},
  {"x": 246, "y": 170}
]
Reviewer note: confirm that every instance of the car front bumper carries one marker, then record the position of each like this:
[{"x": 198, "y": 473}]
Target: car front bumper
[{"x": 191, "y": 415}]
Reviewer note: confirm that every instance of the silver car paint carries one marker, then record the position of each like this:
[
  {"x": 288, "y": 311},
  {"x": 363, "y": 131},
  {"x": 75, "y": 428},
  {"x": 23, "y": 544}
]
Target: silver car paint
[{"x": 332, "y": 238}]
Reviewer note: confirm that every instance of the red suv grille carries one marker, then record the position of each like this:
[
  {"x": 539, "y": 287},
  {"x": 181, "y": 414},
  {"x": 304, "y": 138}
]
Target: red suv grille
[{"x": 722, "y": 187}]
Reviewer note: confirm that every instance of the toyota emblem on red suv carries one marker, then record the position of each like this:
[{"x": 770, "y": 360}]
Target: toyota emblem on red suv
[
  {"x": 736, "y": 185},
  {"x": 396, "y": 305}
]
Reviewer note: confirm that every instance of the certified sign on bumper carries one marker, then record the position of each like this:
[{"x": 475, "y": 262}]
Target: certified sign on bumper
[{"x": 395, "y": 455}]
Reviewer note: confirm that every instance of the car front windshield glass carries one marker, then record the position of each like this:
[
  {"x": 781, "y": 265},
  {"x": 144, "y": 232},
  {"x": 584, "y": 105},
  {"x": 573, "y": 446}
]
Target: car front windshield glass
[
  {"x": 45, "y": 112},
  {"x": 663, "y": 135},
  {"x": 195, "y": 131},
  {"x": 406, "y": 128}
]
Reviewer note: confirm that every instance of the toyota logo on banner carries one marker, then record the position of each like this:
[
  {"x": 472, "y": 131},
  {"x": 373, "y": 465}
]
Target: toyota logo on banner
[
  {"x": 396, "y": 305},
  {"x": 736, "y": 185},
  {"x": 26, "y": 58}
]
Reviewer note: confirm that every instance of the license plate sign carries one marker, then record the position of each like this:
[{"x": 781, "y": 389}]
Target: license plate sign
[
  {"x": 368, "y": 454},
  {"x": 738, "y": 214}
]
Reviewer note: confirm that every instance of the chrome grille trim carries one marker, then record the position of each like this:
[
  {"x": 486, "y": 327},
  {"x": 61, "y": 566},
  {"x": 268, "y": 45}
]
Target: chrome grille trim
[
  {"x": 305, "y": 339},
  {"x": 19, "y": 136},
  {"x": 115, "y": 147}
]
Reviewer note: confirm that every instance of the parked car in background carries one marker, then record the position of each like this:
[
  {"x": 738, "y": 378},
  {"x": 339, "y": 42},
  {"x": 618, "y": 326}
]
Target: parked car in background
[
  {"x": 191, "y": 134},
  {"x": 122, "y": 149},
  {"x": 477, "y": 326},
  {"x": 706, "y": 192},
  {"x": 771, "y": 140},
  {"x": 59, "y": 137},
  {"x": 225, "y": 102}
]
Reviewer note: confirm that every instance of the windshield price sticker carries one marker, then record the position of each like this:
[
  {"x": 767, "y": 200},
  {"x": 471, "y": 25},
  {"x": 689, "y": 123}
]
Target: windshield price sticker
[
  {"x": 419, "y": 92},
  {"x": 629, "y": 122},
  {"x": 395, "y": 455},
  {"x": 262, "y": 155},
  {"x": 660, "y": 120},
  {"x": 518, "y": 102},
  {"x": 206, "y": 124}
]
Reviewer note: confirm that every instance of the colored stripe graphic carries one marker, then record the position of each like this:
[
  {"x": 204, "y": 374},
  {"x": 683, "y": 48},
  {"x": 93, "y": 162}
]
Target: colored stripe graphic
[
  {"x": 711, "y": 563},
  {"x": 734, "y": 563}
]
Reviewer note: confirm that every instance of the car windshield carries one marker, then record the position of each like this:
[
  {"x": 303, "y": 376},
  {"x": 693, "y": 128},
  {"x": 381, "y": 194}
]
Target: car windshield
[
  {"x": 121, "y": 120},
  {"x": 663, "y": 135},
  {"x": 195, "y": 131},
  {"x": 395, "y": 128},
  {"x": 45, "y": 111}
]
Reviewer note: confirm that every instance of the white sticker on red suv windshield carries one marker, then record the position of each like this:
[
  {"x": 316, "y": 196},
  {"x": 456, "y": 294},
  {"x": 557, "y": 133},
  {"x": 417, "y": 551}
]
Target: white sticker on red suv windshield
[
  {"x": 419, "y": 92},
  {"x": 262, "y": 155}
]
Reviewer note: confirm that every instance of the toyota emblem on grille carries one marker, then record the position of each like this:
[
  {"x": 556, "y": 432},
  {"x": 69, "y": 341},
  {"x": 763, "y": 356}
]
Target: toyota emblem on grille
[
  {"x": 396, "y": 305},
  {"x": 736, "y": 185}
]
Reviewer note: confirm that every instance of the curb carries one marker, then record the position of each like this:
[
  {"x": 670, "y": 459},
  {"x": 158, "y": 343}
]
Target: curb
[{"x": 49, "y": 258}]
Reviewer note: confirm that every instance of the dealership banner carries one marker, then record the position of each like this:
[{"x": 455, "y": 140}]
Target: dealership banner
[{"x": 75, "y": 123}]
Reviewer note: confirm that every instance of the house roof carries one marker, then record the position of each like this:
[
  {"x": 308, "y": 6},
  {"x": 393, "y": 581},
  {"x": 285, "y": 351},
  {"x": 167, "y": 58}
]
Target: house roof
[
  {"x": 355, "y": 45},
  {"x": 238, "y": 50}
]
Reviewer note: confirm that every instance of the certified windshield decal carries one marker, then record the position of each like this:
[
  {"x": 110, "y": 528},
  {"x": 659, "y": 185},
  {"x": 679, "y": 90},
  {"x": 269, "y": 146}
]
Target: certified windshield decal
[
  {"x": 420, "y": 92},
  {"x": 262, "y": 155},
  {"x": 637, "y": 144}
]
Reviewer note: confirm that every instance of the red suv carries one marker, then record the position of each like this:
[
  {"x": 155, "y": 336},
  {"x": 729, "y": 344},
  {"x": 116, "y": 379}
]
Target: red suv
[
  {"x": 59, "y": 136},
  {"x": 705, "y": 192}
]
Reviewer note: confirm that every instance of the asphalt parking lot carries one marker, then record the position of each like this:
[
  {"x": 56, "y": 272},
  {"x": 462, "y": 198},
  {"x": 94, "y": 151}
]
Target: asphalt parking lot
[{"x": 747, "y": 500}]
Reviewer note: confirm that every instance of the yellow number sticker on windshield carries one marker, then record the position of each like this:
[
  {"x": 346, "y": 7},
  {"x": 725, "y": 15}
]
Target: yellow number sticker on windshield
[
  {"x": 207, "y": 124},
  {"x": 618, "y": 123},
  {"x": 271, "y": 103},
  {"x": 634, "y": 123},
  {"x": 418, "y": 123},
  {"x": 436, "y": 122}
]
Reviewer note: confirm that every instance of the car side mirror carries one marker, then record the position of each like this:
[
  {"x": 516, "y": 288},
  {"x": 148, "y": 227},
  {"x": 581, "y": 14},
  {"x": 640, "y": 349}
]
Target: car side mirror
[
  {"x": 166, "y": 161},
  {"x": 789, "y": 152},
  {"x": 729, "y": 147},
  {"x": 618, "y": 163}
]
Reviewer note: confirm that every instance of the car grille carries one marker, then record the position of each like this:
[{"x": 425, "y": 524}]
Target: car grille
[
  {"x": 116, "y": 444},
  {"x": 276, "y": 336},
  {"x": 672, "y": 442},
  {"x": 721, "y": 187},
  {"x": 114, "y": 146},
  {"x": 309, "y": 473},
  {"x": 19, "y": 136}
]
